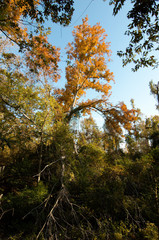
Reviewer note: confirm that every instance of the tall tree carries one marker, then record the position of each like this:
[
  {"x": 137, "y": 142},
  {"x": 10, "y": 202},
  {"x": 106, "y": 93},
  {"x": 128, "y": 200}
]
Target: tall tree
[{"x": 87, "y": 69}]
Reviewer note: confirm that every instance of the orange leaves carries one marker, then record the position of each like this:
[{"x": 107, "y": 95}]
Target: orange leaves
[
  {"x": 87, "y": 66},
  {"x": 87, "y": 70},
  {"x": 89, "y": 41},
  {"x": 43, "y": 58},
  {"x": 119, "y": 117},
  {"x": 130, "y": 115},
  {"x": 10, "y": 11},
  {"x": 11, "y": 23},
  {"x": 13, "y": 9}
]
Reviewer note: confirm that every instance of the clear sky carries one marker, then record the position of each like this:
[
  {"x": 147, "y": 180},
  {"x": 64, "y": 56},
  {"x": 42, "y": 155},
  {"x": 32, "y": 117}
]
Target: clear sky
[{"x": 128, "y": 84}]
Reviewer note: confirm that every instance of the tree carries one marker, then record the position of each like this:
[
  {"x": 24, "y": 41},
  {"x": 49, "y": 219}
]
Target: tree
[
  {"x": 152, "y": 127},
  {"x": 143, "y": 30},
  {"x": 154, "y": 89},
  {"x": 86, "y": 67},
  {"x": 87, "y": 70},
  {"x": 90, "y": 133}
]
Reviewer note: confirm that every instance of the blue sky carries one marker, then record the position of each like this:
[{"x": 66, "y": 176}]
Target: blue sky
[{"x": 128, "y": 84}]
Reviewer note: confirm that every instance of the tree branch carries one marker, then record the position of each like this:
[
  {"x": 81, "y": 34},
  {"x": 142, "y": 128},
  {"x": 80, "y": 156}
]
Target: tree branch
[
  {"x": 79, "y": 108},
  {"x": 10, "y": 38},
  {"x": 17, "y": 108},
  {"x": 48, "y": 165}
]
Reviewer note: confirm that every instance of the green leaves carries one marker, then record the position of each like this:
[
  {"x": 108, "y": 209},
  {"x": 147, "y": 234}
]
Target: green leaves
[{"x": 143, "y": 31}]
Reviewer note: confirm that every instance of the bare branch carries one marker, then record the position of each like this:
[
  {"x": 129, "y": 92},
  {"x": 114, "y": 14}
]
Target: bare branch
[
  {"x": 48, "y": 165},
  {"x": 4, "y": 212}
]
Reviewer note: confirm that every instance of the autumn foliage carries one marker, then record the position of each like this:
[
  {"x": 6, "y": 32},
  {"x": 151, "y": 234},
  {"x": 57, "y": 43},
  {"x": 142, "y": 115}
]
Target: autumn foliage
[
  {"x": 42, "y": 58},
  {"x": 67, "y": 179},
  {"x": 87, "y": 59},
  {"x": 86, "y": 66}
]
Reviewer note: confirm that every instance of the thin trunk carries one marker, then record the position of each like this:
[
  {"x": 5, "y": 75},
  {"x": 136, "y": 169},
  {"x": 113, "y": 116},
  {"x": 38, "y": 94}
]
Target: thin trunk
[
  {"x": 62, "y": 171},
  {"x": 156, "y": 195},
  {"x": 41, "y": 148},
  {"x": 41, "y": 155},
  {"x": 74, "y": 101}
]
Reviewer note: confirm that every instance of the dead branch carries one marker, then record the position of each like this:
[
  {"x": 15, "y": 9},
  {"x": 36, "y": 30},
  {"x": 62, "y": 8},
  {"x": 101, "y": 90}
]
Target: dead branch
[
  {"x": 48, "y": 165},
  {"x": 4, "y": 212}
]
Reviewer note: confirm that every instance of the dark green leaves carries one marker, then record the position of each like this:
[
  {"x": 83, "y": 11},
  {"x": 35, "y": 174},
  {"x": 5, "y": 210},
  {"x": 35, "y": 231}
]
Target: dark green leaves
[{"x": 143, "y": 30}]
